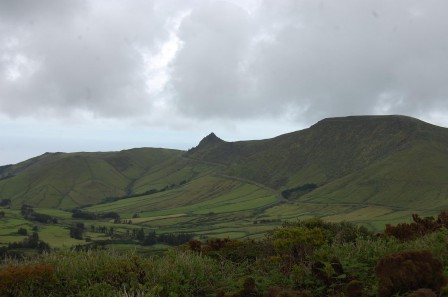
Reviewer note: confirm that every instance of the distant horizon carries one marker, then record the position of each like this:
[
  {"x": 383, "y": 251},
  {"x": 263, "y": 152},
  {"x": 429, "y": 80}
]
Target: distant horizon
[{"x": 191, "y": 144}]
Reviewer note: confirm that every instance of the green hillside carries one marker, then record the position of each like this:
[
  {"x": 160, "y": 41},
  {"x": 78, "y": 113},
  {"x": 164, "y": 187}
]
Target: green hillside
[
  {"x": 365, "y": 169},
  {"x": 369, "y": 169},
  {"x": 59, "y": 180},
  {"x": 330, "y": 149}
]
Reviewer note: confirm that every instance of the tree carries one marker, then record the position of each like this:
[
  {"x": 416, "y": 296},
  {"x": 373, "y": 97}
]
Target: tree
[
  {"x": 77, "y": 230},
  {"x": 5, "y": 202},
  {"x": 140, "y": 236},
  {"x": 22, "y": 231},
  {"x": 150, "y": 239},
  {"x": 26, "y": 210}
]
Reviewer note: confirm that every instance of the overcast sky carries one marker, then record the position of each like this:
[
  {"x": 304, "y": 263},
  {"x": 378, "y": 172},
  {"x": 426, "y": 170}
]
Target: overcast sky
[{"x": 108, "y": 75}]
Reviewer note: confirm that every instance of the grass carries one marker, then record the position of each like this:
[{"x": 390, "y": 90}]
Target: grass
[
  {"x": 10, "y": 224},
  {"x": 176, "y": 222},
  {"x": 69, "y": 180},
  {"x": 57, "y": 213},
  {"x": 57, "y": 236},
  {"x": 149, "y": 219},
  {"x": 202, "y": 196},
  {"x": 395, "y": 181}
]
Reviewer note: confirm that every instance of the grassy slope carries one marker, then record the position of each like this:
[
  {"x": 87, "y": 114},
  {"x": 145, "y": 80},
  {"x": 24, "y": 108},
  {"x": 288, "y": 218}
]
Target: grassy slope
[
  {"x": 369, "y": 170},
  {"x": 328, "y": 150},
  {"x": 69, "y": 180},
  {"x": 202, "y": 196}
]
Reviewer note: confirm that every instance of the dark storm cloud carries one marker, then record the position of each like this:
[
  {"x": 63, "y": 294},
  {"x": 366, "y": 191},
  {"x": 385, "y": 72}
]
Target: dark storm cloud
[{"x": 236, "y": 60}]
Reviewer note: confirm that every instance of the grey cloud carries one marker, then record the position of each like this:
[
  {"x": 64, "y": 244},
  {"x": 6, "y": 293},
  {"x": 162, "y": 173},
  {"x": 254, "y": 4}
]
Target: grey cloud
[
  {"x": 318, "y": 58},
  {"x": 89, "y": 61},
  {"x": 28, "y": 12},
  {"x": 311, "y": 59},
  {"x": 207, "y": 74}
]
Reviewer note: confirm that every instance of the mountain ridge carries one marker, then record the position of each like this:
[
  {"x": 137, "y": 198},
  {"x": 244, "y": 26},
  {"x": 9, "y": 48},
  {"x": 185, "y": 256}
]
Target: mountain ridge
[
  {"x": 388, "y": 134},
  {"x": 384, "y": 162}
]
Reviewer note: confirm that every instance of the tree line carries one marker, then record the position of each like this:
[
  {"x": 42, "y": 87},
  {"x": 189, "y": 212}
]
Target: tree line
[{"x": 28, "y": 213}]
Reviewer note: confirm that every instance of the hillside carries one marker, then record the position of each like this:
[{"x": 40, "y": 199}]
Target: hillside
[
  {"x": 365, "y": 169},
  {"x": 328, "y": 150},
  {"x": 60, "y": 180}
]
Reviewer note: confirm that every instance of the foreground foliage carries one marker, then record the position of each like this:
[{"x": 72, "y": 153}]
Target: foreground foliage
[{"x": 303, "y": 258}]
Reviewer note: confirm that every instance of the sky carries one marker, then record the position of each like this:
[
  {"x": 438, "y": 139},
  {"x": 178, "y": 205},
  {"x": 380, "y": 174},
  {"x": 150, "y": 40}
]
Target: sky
[{"x": 106, "y": 75}]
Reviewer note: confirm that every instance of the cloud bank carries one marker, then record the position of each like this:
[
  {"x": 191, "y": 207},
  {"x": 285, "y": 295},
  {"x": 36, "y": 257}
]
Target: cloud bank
[{"x": 226, "y": 60}]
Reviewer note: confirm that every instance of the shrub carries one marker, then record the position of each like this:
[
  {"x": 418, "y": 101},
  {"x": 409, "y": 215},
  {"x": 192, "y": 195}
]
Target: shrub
[
  {"x": 406, "y": 271},
  {"x": 22, "y": 231},
  {"x": 249, "y": 288},
  {"x": 234, "y": 250},
  {"x": 328, "y": 272},
  {"x": 340, "y": 232},
  {"x": 355, "y": 288},
  {"x": 195, "y": 245},
  {"x": 279, "y": 292},
  {"x": 28, "y": 280},
  {"x": 297, "y": 243},
  {"x": 418, "y": 227},
  {"x": 422, "y": 293}
]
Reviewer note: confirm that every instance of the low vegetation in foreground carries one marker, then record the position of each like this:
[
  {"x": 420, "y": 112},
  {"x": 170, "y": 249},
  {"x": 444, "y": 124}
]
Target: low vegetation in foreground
[{"x": 301, "y": 258}]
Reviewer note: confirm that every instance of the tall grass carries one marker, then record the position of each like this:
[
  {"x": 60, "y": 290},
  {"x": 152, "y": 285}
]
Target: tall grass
[
  {"x": 108, "y": 273},
  {"x": 187, "y": 274}
]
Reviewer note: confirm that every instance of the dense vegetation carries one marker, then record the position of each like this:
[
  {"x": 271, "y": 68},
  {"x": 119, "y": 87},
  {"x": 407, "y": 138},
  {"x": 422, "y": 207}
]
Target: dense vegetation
[{"x": 301, "y": 258}]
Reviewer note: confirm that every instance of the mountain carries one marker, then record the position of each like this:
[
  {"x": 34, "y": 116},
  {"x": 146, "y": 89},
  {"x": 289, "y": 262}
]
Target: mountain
[
  {"x": 328, "y": 150},
  {"x": 358, "y": 168}
]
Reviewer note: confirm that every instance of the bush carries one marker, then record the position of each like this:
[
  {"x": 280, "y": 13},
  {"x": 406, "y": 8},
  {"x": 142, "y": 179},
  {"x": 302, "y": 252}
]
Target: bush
[
  {"x": 407, "y": 271},
  {"x": 422, "y": 293},
  {"x": 297, "y": 243},
  {"x": 419, "y": 227},
  {"x": 22, "y": 231},
  {"x": 340, "y": 232},
  {"x": 28, "y": 280},
  {"x": 355, "y": 288}
]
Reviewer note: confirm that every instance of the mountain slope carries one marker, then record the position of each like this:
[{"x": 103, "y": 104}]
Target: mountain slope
[
  {"x": 356, "y": 168},
  {"x": 326, "y": 151},
  {"x": 64, "y": 181}
]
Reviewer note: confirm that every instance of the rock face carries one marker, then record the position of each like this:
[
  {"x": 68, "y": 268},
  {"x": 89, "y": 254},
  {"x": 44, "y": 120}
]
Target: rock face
[{"x": 208, "y": 144}]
